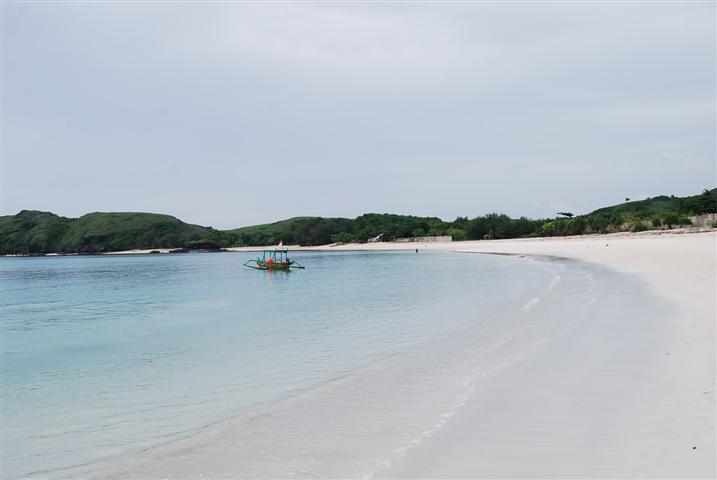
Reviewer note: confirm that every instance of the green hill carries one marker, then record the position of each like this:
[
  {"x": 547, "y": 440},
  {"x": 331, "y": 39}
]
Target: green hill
[
  {"x": 43, "y": 232},
  {"x": 122, "y": 231},
  {"x": 34, "y": 232},
  {"x": 320, "y": 231},
  {"x": 291, "y": 231},
  {"x": 662, "y": 205}
]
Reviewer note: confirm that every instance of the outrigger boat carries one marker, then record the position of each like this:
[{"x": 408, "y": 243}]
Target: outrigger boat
[{"x": 275, "y": 259}]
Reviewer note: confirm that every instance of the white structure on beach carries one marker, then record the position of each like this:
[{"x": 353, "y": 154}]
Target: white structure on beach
[
  {"x": 705, "y": 220},
  {"x": 375, "y": 239},
  {"x": 443, "y": 238}
]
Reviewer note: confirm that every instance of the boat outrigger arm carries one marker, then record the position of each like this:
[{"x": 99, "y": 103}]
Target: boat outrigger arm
[{"x": 273, "y": 260}]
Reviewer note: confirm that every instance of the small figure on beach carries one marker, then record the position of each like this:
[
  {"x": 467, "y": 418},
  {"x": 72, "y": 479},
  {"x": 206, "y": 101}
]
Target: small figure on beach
[{"x": 416, "y": 250}]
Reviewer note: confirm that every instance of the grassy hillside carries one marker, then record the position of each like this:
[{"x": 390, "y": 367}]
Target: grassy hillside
[
  {"x": 43, "y": 232},
  {"x": 122, "y": 231},
  {"x": 290, "y": 231},
  {"x": 32, "y": 232},
  {"x": 663, "y": 205}
]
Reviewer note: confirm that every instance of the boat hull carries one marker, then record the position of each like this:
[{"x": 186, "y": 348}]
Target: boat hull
[
  {"x": 271, "y": 263},
  {"x": 274, "y": 266}
]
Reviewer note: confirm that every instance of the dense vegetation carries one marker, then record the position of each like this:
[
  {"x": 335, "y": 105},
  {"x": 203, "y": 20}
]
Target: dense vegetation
[
  {"x": 43, "y": 232},
  {"x": 32, "y": 232},
  {"x": 663, "y": 205},
  {"x": 656, "y": 212},
  {"x": 320, "y": 231}
]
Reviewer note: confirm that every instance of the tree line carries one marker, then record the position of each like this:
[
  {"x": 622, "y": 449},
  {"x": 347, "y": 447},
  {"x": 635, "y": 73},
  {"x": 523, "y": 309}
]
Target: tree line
[{"x": 42, "y": 232}]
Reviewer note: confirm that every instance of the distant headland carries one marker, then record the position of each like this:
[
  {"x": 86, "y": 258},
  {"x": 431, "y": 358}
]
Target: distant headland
[{"x": 33, "y": 232}]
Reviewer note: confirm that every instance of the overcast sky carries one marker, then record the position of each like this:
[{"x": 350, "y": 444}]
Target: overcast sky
[{"x": 229, "y": 114}]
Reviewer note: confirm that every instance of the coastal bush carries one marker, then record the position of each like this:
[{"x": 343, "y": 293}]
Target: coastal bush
[
  {"x": 577, "y": 226},
  {"x": 549, "y": 228},
  {"x": 706, "y": 202},
  {"x": 671, "y": 220},
  {"x": 457, "y": 234},
  {"x": 598, "y": 223},
  {"x": 640, "y": 227}
]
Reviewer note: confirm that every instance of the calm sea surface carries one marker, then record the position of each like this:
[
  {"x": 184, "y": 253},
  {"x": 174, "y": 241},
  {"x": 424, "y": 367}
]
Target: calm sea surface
[{"x": 106, "y": 357}]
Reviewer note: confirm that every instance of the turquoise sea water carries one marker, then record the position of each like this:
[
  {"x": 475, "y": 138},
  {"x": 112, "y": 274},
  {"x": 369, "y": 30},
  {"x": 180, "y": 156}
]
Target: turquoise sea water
[{"x": 105, "y": 358}]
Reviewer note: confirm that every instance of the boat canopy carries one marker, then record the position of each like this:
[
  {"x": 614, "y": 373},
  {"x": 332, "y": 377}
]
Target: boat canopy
[
  {"x": 275, "y": 255},
  {"x": 274, "y": 259}
]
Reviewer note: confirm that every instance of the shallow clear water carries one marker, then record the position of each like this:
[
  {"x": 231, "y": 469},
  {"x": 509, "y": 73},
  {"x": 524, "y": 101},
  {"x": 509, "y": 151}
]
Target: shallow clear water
[{"x": 106, "y": 357}]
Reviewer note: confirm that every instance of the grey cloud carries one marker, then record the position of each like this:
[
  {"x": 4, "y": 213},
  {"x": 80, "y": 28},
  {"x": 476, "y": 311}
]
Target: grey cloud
[{"x": 428, "y": 109}]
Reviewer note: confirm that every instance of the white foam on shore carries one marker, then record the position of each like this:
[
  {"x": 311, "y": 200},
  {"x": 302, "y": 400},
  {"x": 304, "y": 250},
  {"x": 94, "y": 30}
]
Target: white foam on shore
[
  {"x": 530, "y": 303},
  {"x": 469, "y": 383},
  {"x": 554, "y": 282}
]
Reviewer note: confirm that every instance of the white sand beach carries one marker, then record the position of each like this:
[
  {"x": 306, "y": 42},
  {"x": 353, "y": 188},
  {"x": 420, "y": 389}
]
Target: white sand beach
[
  {"x": 607, "y": 400},
  {"x": 629, "y": 393}
]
